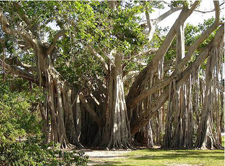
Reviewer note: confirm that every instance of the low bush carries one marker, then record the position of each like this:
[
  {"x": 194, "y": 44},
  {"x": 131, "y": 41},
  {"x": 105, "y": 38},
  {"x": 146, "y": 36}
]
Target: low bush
[
  {"x": 21, "y": 137},
  {"x": 32, "y": 153}
]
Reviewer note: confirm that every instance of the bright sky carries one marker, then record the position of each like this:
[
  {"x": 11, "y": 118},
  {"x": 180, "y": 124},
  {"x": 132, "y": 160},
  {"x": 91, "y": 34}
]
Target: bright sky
[{"x": 195, "y": 18}]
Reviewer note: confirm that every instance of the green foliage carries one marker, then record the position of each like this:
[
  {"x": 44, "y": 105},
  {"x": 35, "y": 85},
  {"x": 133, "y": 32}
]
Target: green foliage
[
  {"x": 102, "y": 28},
  {"x": 20, "y": 130},
  {"x": 157, "y": 4},
  {"x": 192, "y": 32},
  {"x": 179, "y": 3},
  {"x": 32, "y": 152},
  {"x": 16, "y": 120}
]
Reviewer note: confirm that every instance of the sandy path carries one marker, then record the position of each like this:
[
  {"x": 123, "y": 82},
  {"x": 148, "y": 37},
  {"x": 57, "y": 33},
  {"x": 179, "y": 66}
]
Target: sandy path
[{"x": 101, "y": 156}]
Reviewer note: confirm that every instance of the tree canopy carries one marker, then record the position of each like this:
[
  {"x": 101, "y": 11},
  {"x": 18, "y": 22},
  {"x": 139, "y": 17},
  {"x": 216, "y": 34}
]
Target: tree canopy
[{"x": 109, "y": 76}]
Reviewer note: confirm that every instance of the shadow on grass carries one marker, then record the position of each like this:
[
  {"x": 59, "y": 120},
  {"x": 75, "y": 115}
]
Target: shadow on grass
[
  {"x": 176, "y": 154},
  {"x": 111, "y": 163},
  {"x": 107, "y": 157},
  {"x": 169, "y": 156}
]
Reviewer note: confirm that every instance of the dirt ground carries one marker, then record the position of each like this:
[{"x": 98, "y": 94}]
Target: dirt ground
[{"x": 98, "y": 156}]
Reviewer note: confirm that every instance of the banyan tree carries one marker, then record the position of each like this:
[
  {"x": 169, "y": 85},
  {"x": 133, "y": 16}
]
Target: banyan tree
[{"x": 112, "y": 78}]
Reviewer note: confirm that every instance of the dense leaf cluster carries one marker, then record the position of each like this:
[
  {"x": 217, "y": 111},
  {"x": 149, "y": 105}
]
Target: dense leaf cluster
[
  {"x": 31, "y": 152},
  {"x": 20, "y": 130}
]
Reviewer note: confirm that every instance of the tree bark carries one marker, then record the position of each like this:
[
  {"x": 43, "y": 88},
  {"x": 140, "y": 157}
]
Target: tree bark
[
  {"x": 206, "y": 124},
  {"x": 119, "y": 131}
]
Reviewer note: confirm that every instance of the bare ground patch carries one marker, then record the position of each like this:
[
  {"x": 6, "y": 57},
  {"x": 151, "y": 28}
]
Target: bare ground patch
[{"x": 104, "y": 156}]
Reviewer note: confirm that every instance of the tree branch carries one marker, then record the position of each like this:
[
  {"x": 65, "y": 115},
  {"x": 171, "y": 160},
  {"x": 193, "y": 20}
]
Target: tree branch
[
  {"x": 56, "y": 37},
  {"x": 5, "y": 24},
  {"x": 7, "y": 30},
  {"x": 24, "y": 17},
  {"x": 15, "y": 61},
  {"x": 178, "y": 72},
  {"x": 143, "y": 119},
  {"x": 144, "y": 75},
  {"x": 90, "y": 110},
  {"x": 99, "y": 57},
  {"x": 151, "y": 28},
  {"x": 209, "y": 11},
  {"x": 21, "y": 73},
  {"x": 166, "y": 14},
  {"x": 185, "y": 13},
  {"x": 22, "y": 14},
  {"x": 203, "y": 55},
  {"x": 149, "y": 52},
  {"x": 203, "y": 36}
]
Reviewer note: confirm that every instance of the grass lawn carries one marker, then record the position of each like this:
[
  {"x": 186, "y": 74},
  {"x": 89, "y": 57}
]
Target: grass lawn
[
  {"x": 223, "y": 141},
  {"x": 158, "y": 157}
]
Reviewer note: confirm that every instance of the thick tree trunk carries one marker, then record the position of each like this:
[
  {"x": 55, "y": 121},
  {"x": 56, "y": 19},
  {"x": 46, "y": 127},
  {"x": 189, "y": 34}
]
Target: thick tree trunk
[
  {"x": 145, "y": 136},
  {"x": 110, "y": 117},
  {"x": 168, "y": 128},
  {"x": 58, "y": 130},
  {"x": 59, "y": 102},
  {"x": 117, "y": 124},
  {"x": 207, "y": 133},
  {"x": 70, "y": 125},
  {"x": 47, "y": 76}
]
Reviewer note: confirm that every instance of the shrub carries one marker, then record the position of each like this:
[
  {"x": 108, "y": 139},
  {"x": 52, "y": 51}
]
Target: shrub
[
  {"x": 32, "y": 153},
  {"x": 20, "y": 133}
]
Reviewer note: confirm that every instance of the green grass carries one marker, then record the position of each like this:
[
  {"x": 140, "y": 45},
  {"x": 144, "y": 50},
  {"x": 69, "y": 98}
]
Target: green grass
[
  {"x": 223, "y": 141},
  {"x": 158, "y": 157}
]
